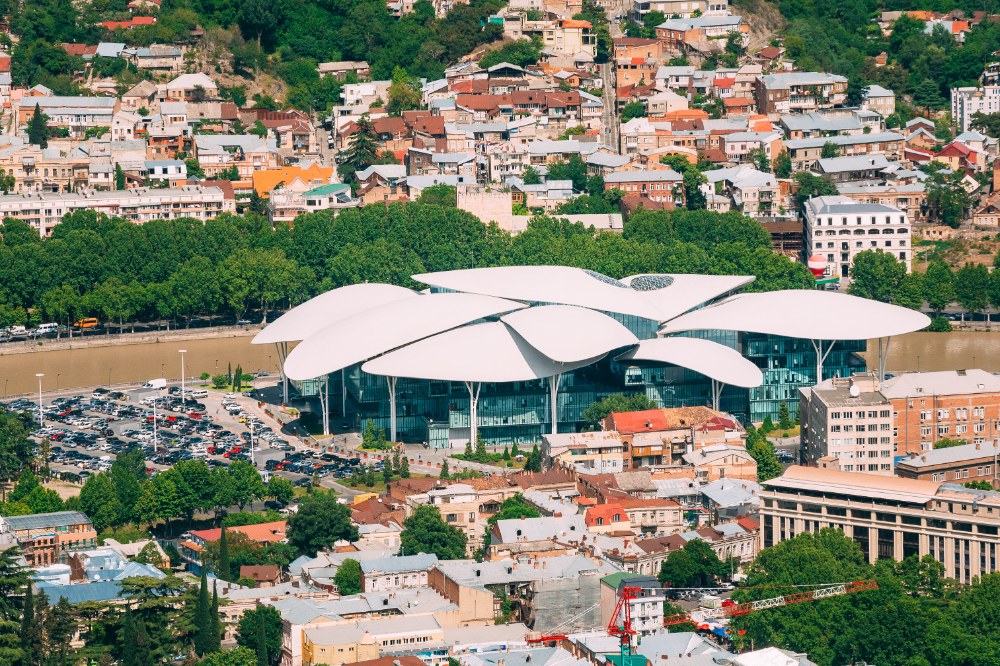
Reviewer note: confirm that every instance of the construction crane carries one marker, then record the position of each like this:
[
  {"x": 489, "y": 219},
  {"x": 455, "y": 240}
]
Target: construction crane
[
  {"x": 625, "y": 631},
  {"x": 738, "y": 610},
  {"x": 623, "y": 609}
]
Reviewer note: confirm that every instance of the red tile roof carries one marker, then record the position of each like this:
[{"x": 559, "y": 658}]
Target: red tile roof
[
  {"x": 606, "y": 513},
  {"x": 724, "y": 82},
  {"x": 262, "y": 533}
]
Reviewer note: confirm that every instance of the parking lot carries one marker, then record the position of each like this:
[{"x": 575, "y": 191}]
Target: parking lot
[{"x": 86, "y": 432}]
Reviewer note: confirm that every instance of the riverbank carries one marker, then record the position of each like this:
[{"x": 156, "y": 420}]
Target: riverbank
[{"x": 122, "y": 339}]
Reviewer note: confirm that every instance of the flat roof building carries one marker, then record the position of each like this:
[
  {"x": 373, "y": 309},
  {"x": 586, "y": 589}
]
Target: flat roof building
[{"x": 888, "y": 517}]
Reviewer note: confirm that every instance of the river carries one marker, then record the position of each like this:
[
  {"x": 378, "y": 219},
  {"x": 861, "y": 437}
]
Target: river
[{"x": 91, "y": 366}]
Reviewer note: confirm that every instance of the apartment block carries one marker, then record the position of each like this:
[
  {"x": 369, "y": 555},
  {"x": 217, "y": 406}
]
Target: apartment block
[
  {"x": 849, "y": 420},
  {"x": 966, "y": 102},
  {"x": 888, "y": 517},
  {"x": 839, "y": 229},
  {"x": 953, "y": 404},
  {"x": 799, "y": 92},
  {"x": 43, "y": 211}
]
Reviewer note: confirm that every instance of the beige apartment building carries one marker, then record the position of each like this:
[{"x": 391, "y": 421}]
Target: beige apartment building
[
  {"x": 978, "y": 463},
  {"x": 888, "y": 517},
  {"x": 848, "y": 419}
]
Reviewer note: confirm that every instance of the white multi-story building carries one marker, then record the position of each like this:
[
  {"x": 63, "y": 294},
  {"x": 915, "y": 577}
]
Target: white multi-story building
[
  {"x": 965, "y": 102},
  {"x": 389, "y": 574},
  {"x": 43, "y": 211},
  {"x": 849, "y": 420},
  {"x": 838, "y": 228}
]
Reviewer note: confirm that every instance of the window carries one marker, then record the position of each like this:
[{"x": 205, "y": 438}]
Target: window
[
  {"x": 943, "y": 429},
  {"x": 925, "y": 415},
  {"x": 925, "y": 431},
  {"x": 943, "y": 414}
]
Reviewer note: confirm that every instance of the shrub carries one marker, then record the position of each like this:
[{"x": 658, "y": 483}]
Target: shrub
[{"x": 939, "y": 325}]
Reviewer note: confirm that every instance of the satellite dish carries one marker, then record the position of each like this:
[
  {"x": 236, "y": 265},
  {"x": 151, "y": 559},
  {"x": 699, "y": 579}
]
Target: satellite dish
[{"x": 855, "y": 391}]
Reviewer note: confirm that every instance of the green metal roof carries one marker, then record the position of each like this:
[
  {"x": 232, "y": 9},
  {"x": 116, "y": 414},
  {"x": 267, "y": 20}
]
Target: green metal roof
[
  {"x": 633, "y": 660},
  {"x": 615, "y": 579},
  {"x": 332, "y": 188}
]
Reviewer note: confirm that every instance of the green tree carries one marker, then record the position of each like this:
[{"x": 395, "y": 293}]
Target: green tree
[
  {"x": 574, "y": 169},
  {"x": 810, "y": 185},
  {"x": 939, "y": 285},
  {"x": 512, "y": 508},
  {"x": 362, "y": 151},
  {"x": 38, "y": 129},
  {"x": 203, "y": 640},
  {"x": 784, "y": 418},
  {"x": 782, "y": 165},
  {"x": 534, "y": 461},
  {"x": 225, "y": 568},
  {"x": 439, "y": 195},
  {"x": 948, "y": 442},
  {"x": 444, "y": 470},
  {"x": 425, "y": 531},
  {"x": 100, "y": 502},
  {"x": 694, "y": 565},
  {"x": 240, "y": 656},
  {"x": 762, "y": 451},
  {"x": 927, "y": 96},
  {"x": 348, "y": 577},
  {"x": 404, "y": 93},
  {"x": 404, "y": 468},
  {"x": 972, "y": 282},
  {"x": 119, "y": 177},
  {"x": 261, "y": 626},
  {"x": 758, "y": 158},
  {"x": 531, "y": 176},
  {"x": 634, "y": 109},
  {"x": 879, "y": 276},
  {"x": 319, "y": 523},
  {"x": 598, "y": 411},
  {"x": 280, "y": 489},
  {"x": 693, "y": 179},
  {"x": 829, "y": 149},
  {"x": 135, "y": 646},
  {"x": 520, "y": 52}
]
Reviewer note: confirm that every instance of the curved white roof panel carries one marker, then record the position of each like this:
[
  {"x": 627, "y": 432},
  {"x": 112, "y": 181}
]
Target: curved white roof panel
[
  {"x": 547, "y": 284},
  {"x": 676, "y": 293},
  {"x": 808, "y": 314},
  {"x": 329, "y": 307},
  {"x": 711, "y": 359},
  {"x": 389, "y": 326},
  {"x": 566, "y": 333},
  {"x": 486, "y": 352}
]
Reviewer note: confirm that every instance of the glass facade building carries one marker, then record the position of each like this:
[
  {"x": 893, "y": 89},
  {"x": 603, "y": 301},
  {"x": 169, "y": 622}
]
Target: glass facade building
[{"x": 437, "y": 412}]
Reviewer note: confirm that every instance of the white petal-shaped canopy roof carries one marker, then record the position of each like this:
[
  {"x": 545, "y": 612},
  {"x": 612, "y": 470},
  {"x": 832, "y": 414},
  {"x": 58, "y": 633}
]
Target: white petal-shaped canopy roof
[
  {"x": 675, "y": 293},
  {"x": 329, "y": 307},
  {"x": 808, "y": 314},
  {"x": 389, "y": 326},
  {"x": 711, "y": 359},
  {"x": 486, "y": 352},
  {"x": 566, "y": 333},
  {"x": 548, "y": 284}
]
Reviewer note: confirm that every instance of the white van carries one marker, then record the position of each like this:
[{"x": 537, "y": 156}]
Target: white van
[
  {"x": 198, "y": 394},
  {"x": 155, "y": 384},
  {"x": 49, "y": 328}
]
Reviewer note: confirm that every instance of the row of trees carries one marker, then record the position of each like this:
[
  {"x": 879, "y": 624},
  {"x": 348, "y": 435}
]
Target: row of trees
[
  {"x": 182, "y": 268},
  {"x": 126, "y": 495},
  {"x": 880, "y": 276}
]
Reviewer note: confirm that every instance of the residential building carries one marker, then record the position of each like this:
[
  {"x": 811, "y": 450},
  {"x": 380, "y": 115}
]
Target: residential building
[
  {"x": 570, "y": 36},
  {"x": 287, "y": 203},
  {"x": 561, "y": 591},
  {"x": 730, "y": 499},
  {"x": 702, "y": 35},
  {"x": 851, "y": 169},
  {"x": 754, "y": 193},
  {"x": 908, "y": 197},
  {"x": 849, "y": 420},
  {"x": 340, "y": 69},
  {"x": 195, "y": 87},
  {"x": 190, "y": 549},
  {"x": 171, "y": 172},
  {"x": 47, "y": 538},
  {"x": 645, "y": 608},
  {"x": 798, "y": 92},
  {"x": 598, "y": 452},
  {"x": 158, "y": 57},
  {"x": 969, "y": 463},
  {"x": 76, "y": 114},
  {"x": 367, "y": 640},
  {"x": 737, "y": 539},
  {"x": 722, "y": 461},
  {"x": 952, "y": 404},
  {"x": 966, "y": 102},
  {"x": 263, "y": 575},
  {"x": 246, "y": 152},
  {"x": 467, "y": 505},
  {"x": 682, "y": 8},
  {"x": 43, "y": 211},
  {"x": 663, "y": 436},
  {"x": 396, "y": 573},
  {"x": 839, "y": 228},
  {"x": 888, "y": 517},
  {"x": 661, "y": 185},
  {"x": 805, "y": 152},
  {"x": 880, "y": 100}
]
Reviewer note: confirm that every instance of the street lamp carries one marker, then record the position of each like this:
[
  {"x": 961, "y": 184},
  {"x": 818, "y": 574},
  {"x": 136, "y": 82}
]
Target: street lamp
[
  {"x": 41, "y": 419},
  {"x": 58, "y": 375},
  {"x": 183, "y": 393}
]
